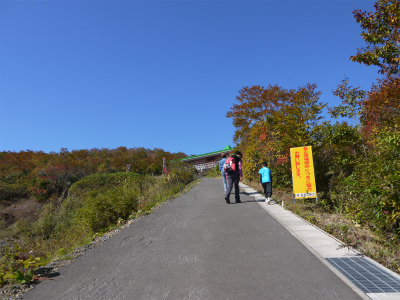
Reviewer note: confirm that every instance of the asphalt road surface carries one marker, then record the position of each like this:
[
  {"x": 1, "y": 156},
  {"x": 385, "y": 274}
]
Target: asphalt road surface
[{"x": 198, "y": 247}]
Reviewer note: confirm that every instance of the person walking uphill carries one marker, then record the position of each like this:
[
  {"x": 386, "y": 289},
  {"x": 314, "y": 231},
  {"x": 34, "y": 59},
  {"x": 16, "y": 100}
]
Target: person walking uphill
[
  {"x": 221, "y": 168},
  {"x": 266, "y": 181},
  {"x": 234, "y": 174}
]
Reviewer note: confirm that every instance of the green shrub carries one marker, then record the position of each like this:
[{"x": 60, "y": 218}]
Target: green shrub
[
  {"x": 98, "y": 201},
  {"x": 183, "y": 171},
  {"x": 44, "y": 227},
  {"x": 372, "y": 193},
  {"x": 311, "y": 219},
  {"x": 104, "y": 210},
  {"x": 97, "y": 183},
  {"x": 14, "y": 185},
  {"x": 185, "y": 176},
  {"x": 12, "y": 191}
]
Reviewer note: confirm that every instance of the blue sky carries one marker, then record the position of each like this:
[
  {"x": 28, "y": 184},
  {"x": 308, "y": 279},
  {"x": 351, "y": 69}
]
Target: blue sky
[{"x": 161, "y": 74}]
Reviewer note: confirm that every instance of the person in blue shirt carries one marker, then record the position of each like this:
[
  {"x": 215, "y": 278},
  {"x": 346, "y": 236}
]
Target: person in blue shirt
[
  {"x": 221, "y": 168},
  {"x": 266, "y": 181}
]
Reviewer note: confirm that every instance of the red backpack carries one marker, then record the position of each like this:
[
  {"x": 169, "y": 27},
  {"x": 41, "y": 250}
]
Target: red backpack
[{"x": 230, "y": 165}]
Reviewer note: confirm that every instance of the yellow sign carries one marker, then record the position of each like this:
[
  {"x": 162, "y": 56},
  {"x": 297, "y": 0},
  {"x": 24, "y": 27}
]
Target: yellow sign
[{"x": 303, "y": 172}]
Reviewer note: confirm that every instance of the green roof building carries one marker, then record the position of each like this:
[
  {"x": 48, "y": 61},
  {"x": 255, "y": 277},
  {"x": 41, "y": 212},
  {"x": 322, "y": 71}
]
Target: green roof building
[{"x": 208, "y": 160}]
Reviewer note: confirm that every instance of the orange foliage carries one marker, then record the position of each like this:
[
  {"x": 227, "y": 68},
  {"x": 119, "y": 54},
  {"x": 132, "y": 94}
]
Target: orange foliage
[
  {"x": 382, "y": 105},
  {"x": 44, "y": 175}
]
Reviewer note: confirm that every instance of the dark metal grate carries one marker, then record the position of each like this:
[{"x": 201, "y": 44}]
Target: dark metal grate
[{"x": 366, "y": 275}]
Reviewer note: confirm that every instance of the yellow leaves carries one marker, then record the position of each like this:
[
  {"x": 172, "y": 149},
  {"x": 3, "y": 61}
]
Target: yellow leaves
[{"x": 30, "y": 262}]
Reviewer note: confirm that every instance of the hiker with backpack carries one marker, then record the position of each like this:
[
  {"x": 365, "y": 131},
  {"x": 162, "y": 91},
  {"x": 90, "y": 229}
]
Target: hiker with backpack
[
  {"x": 221, "y": 168},
  {"x": 234, "y": 174}
]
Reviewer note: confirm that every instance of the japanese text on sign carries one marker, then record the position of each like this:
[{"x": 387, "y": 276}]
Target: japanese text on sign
[{"x": 303, "y": 172}]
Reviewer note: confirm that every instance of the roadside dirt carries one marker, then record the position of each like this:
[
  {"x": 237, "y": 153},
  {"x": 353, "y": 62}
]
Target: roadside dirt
[{"x": 23, "y": 209}]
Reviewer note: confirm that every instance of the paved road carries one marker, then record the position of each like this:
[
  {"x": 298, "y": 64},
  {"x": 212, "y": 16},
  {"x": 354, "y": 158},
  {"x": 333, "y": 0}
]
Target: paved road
[{"x": 199, "y": 247}]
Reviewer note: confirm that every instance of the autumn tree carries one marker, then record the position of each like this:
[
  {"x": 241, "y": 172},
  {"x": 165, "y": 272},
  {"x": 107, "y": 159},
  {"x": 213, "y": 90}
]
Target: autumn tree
[
  {"x": 16, "y": 171},
  {"x": 381, "y": 108},
  {"x": 351, "y": 106},
  {"x": 255, "y": 104},
  {"x": 269, "y": 121},
  {"x": 381, "y": 32}
]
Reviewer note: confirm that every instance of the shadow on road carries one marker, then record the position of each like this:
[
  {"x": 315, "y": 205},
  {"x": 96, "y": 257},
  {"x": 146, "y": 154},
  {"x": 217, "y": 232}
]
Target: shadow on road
[
  {"x": 47, "y": 273},
  {"x": 244, "y": 201}
]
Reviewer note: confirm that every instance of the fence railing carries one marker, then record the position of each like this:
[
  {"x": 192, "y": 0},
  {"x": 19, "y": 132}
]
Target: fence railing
[{"x": 206, "y": 166}]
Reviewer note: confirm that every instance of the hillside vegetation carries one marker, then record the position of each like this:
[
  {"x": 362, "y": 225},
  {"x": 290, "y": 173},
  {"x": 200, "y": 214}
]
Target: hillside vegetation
[{"x": 46, "y": 175}]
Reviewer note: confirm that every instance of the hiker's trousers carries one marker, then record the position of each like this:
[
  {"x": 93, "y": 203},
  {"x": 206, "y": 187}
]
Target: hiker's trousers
[
  {"x": 267, "y": 189},
  {"x": 233, "y": 180}
]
